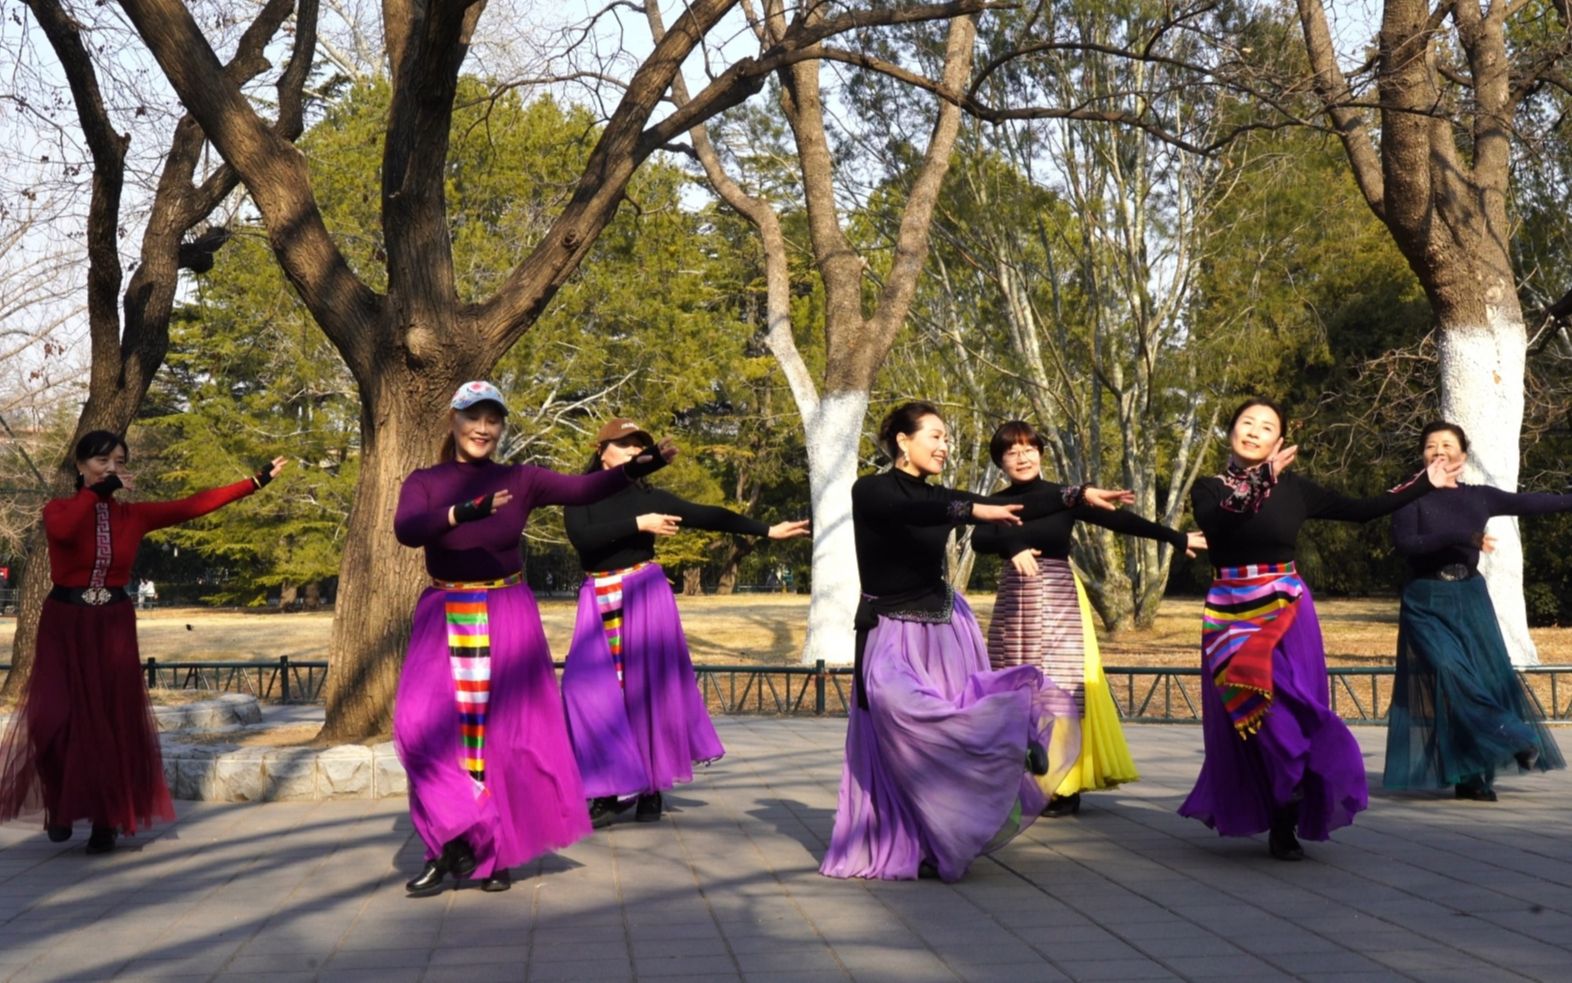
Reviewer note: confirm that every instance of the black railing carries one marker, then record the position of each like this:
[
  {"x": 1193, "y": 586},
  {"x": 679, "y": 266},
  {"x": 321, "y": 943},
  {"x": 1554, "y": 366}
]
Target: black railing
[{"x": 1151, "y": 694}]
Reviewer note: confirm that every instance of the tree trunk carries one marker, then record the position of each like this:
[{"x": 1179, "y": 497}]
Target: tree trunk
[
  {"x": 692, "y": 581},
  {"x": 834, "y": 431},
  {"x": 1482, "y": 370},
  {"x": 379, "y": 579}
]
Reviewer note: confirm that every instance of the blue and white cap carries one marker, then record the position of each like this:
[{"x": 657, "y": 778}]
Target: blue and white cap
[{"x": 479, "y": 391}]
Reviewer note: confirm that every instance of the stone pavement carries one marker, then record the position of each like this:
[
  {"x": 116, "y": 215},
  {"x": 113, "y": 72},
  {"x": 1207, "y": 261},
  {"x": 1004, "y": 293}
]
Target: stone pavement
[{"x": 725, "y": 889}]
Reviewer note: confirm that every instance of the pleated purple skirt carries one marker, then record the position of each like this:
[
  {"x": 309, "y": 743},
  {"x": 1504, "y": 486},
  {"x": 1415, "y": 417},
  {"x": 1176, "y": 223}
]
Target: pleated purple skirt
[
  {"x": 647, "y": 735},
  {"x": 1303, "y": 751},
  {"x": 935, "y": 767},
  {"x": 532, "y": 801}
]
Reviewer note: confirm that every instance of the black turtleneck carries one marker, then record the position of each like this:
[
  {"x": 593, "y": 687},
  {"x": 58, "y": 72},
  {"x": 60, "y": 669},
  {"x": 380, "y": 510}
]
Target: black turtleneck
[
  {"x": 901, "y": 523},
  {"x": 1269, "y": 533},
  {"x": 606, "y": 533},
  {"x": 1051, "y": 533}
]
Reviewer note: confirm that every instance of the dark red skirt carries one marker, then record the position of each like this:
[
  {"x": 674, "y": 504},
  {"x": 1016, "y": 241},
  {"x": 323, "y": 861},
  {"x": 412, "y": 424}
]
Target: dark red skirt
[{"x": 83, "y": 744}]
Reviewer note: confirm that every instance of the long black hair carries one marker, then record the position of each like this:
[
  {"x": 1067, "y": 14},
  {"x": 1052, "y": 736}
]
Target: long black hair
[
  {"x": 98, "y": 443},
  {"x": 903, "y": 420}
]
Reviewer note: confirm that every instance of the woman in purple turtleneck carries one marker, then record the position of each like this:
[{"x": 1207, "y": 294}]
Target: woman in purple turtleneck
[
  {"x": 1458, "y": 711},
  {"x": 478, "y": 722}
]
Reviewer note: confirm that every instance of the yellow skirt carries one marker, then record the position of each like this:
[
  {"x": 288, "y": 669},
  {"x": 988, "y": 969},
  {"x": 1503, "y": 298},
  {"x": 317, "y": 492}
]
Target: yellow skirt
[{"x": 1105, "y": 757}]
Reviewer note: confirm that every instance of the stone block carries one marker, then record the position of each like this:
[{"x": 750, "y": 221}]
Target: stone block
[
  {"x": 388, "y": 771},
  {"x": 345, "y": 772},
  {"x": 239, "y": 776},
  {"x": 291, "y": 773}
]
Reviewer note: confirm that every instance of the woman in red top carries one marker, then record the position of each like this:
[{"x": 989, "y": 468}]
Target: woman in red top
[{"x": 83, "y": 745}]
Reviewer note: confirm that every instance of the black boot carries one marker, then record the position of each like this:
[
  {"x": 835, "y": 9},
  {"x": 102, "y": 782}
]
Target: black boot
[
  {"x": 1527, "y": 758},
  {"x": 1281, "y": 841},
  {"x": 500, "y": 880},
  {"x": 429, "y": 880},
  {"x": 459, "y": 857},
  {"x": 57, "y": 834},
  {"x": 649, "y": 808},
  {"x": 1063, "y": 805},
  {"x": 102, "y": 839},
  {"x": 1474, "y": 791},
  {"x": 605, "y": 809}
]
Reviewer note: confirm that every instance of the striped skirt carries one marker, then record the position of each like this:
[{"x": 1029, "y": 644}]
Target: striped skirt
[{"x": 1037, "y": 622}]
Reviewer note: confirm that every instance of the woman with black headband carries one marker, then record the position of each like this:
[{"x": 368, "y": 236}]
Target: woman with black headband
[{"x": 83, "y": 744}]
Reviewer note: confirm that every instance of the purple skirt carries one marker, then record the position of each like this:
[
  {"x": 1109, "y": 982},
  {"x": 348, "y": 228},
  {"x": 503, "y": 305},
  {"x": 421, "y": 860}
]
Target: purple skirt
[
  {"x": 1303, "y": 749},
  {"x": 532, "y": 801},
  {"x": 646, "y": 735},
  {"x": 935, "y": 767}
]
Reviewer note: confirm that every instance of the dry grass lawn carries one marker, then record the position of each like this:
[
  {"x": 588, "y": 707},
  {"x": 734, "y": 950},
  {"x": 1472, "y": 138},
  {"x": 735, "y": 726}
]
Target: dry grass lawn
[{"x": 769, "y": 629}]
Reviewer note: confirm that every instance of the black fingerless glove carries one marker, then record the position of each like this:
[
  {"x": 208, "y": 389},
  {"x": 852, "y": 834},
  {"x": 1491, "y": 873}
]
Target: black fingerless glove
[
  {"x": 263, "y": 476},
  {"x": 644, "y": 465},
  {"x": 476, "y": 508},
  {"x": 107, "y": 487}
]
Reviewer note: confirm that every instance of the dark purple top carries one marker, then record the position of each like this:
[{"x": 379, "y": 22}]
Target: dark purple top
[
  {"x": 1442, "y": 528},
  {"x": 486, "y": 548}
]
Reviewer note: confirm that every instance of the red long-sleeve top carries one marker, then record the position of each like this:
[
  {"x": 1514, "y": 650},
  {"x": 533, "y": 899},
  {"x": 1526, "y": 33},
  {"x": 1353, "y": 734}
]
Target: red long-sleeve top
[{"x": 93, "y": 540}]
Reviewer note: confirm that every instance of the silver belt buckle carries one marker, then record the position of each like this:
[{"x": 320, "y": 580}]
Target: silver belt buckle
[
  {"x": 96, "y": 596},
  {"x": 1454, "y": 571}
]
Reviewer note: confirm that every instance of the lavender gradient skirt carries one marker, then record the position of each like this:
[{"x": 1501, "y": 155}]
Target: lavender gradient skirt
[
  {"x": 1303, "y": 751},
  {"x": 647, "y": 735},
  {"x": 532, "y": 801},
  {"x": 935, "y": 768}
]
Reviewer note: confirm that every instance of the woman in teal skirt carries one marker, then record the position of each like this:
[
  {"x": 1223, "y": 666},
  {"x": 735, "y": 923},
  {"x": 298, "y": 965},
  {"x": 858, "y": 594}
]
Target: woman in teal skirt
[{"x": 1459, "y": 711}]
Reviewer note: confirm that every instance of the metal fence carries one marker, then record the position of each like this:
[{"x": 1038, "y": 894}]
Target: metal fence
[{"x": 1153, "y": 694}]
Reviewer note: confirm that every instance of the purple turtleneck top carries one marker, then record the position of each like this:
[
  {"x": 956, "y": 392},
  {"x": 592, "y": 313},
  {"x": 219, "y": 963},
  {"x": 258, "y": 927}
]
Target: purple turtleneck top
[
  {"x": 1442, "y": 528},
  {"x": 488, "y": 548}
]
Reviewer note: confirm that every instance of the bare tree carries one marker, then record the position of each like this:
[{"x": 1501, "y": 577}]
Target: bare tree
[
  {"x": 129, "y": 328},
  {"x": 1427, "y": 126},
  {"x": 410, "y": 345}
]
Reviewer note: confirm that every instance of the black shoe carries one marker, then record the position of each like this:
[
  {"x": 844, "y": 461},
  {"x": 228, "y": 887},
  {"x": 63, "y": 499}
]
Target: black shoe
[
  {"x": 648, "y": 809},
  {"x": 1281, "y": 841},
  {"x": 1527, "y": 758},
  {"x": 605, "y": 809},
  {"x": 459, "y": 857},
  {"x": 429, "y": 880},
  {"x": 57, "y": 834},
  {"x": 1036, "y": 758},
  {"x": 102, "y": 839},
  {"x": 499, "y": 881},
  {"x": 1474, "y": 793},
  {"x": 1063, "y": 805},
  {"x": 926, "y": 871}
]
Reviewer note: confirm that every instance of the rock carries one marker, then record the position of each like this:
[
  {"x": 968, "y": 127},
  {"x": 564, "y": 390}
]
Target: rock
[
  {"x": 389, "y": 771},
  {"x": 238, "y": 776},
  {"x": 345, "y": 772},
  {"x": 291, "y": 773}
]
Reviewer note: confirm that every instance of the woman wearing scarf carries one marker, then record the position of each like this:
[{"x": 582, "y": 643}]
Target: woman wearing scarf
[
  {"x": 1277, "y": 757},
  {"x": 940, "y": 750},
  {"x": 635, "y": 713},
  {"x": 1458, "y": 709},
  {"x": 1042, "y": 617},
  {"x": 477, "y": 719},
  {"x": 83, "y": 744}
]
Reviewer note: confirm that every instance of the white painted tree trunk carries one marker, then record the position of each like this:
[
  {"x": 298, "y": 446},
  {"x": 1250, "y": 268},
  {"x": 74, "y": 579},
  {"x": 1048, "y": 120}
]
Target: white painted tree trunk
[
  {"x": 834, "y": 430},
  {"x": 1482, "y": 371}
]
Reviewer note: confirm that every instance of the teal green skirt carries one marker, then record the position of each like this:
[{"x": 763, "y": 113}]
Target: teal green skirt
[{"x": 1459, "y": 711}]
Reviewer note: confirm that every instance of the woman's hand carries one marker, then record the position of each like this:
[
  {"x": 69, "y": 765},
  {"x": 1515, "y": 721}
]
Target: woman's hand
[
  {"x": 659, "y": 524},
  {"x": 790, "y": 529},
  {"x": 1194, "y": 543},
  {"x": 478, "y": 507},
  {"x": 1004, "y": 515},
  {"x": 1485, "y": 542},
  {"x": 269, "y": 471},
  {"x": 1281, "y": 457},
  {"x": 1108, "y": 498},
  {"x": 667, "y": 449},
  {"x": 1025, "y": 562},
  {"x": 1442, "y": 473}
]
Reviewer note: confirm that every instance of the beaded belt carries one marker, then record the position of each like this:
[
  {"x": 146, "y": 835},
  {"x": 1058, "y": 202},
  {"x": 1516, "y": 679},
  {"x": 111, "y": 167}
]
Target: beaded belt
[
  {"x": 92, "y": 597},
  {"x": 508, "y": 581},
  {"x": 1252, "y": 570}
]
